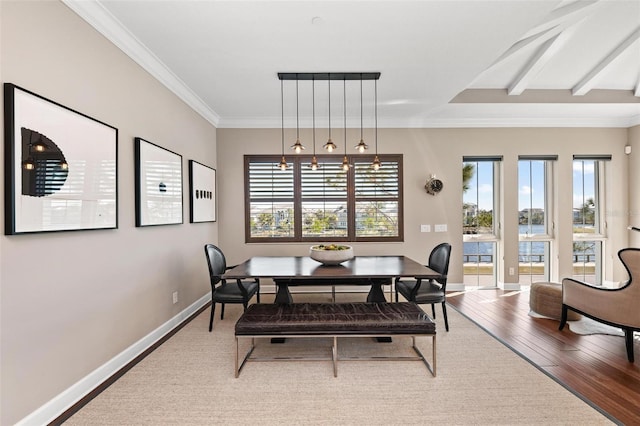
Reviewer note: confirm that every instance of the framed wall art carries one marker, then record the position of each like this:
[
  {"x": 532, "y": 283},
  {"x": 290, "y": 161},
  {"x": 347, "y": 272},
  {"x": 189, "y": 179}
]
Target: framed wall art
[
  {"x": 158, "y": 185},
  {"x": 202, "y": 195},
  {"x": 61, "y": 167}
]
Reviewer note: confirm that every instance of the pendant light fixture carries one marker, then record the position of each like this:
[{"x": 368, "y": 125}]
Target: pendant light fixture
[
  {"x": 376, "y": 161},
  {"x": 314, "y": 160},
  {"x": 297, "y": 147},
  {"x": 329, "y": 146},
  {"x": 361, "y": 146},
  {"x": 345, "y": 160},
  {"x": 283, "y": 162}
]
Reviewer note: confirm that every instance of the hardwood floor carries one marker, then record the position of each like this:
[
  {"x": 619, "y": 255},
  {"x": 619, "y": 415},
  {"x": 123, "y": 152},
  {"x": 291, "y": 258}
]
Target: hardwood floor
[{"x": 594, "y": 366}]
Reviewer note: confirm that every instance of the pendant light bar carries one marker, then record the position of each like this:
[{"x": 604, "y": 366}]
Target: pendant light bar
[{"x": 328, "y": 75}]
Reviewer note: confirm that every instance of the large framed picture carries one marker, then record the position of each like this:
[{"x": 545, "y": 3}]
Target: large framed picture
[
  {"x": 158, "y": 185},
  {"x": 61, "y": 167},
  {"x": 202, "y": 198}
]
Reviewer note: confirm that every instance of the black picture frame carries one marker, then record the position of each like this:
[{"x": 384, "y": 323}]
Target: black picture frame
[
  {"x": 61, "y": 167},
  {"x": 158, "y": 184},
  {"x": 202, "y": 193}
]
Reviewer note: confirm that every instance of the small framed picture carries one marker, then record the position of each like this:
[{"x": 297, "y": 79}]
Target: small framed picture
[
  {"x": 202, "y": 196},
  {"x": 61, "y": 167},
  {"x": 158, "y": 185}
]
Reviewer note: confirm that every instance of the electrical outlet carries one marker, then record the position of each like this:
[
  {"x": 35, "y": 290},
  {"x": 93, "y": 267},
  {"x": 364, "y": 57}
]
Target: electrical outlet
[
  {"x": 175, "y": 297},
  {"x": 441, "y": 228},
  {"x": 512, "y": 271},
  {"x": 425, "y": 228}
]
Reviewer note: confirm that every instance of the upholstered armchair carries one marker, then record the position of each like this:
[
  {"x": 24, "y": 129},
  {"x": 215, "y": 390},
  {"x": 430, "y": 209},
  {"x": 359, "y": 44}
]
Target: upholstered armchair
[{"x": 618, "y": 307}]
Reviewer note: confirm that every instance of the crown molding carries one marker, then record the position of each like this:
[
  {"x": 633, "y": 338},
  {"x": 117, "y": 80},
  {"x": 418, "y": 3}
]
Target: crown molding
[
  {"x": 441, "y": 123},
  {"x": 106, "y": 24}
]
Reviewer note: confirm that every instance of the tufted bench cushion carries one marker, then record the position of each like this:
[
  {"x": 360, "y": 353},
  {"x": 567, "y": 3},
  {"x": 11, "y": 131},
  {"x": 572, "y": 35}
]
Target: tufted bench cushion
[
  {"x": 334, "y": 319},
  {"x": 545, "y": 298}
]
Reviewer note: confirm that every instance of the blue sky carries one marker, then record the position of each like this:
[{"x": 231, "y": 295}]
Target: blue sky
[{"x": 530, "y": 184}]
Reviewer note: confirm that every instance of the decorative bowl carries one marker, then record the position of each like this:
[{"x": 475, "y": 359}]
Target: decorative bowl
[{"x": 331, "y": 254}]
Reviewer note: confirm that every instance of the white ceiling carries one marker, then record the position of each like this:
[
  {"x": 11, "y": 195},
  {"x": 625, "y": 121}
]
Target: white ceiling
[{"x": 443, "y": 63}]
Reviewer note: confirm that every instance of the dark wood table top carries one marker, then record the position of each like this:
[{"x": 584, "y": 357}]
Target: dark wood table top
[{"x": 289, "y": 267}]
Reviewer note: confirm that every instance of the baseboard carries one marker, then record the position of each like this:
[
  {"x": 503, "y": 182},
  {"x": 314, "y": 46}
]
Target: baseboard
[
  {"x": 512, "y": 287},
  {"x": 455, "y": 287},
  {"x": 58, "y": 405}
]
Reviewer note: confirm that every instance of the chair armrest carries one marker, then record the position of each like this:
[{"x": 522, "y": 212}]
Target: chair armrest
[
  {"x": 242, "y": 288},
  {"x": 610, "y": 304},
  {"x": 415, "y": 288}
]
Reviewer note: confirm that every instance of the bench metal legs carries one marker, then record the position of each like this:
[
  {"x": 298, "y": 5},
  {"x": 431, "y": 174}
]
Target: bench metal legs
[{"x": 334, "y": 354}]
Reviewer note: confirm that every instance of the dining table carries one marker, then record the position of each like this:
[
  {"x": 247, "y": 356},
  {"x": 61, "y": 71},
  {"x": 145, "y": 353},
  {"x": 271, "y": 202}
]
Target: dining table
[{"x": 287, "y": 271}]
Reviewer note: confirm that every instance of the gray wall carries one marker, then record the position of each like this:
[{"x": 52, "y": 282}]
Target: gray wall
[{"x": 72, "y": 301}]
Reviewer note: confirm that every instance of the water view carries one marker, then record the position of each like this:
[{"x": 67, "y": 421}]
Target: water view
[{"x": 528, "y": 251}]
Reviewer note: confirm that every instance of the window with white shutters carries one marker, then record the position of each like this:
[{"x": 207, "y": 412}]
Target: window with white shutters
[{"x": 327, "y": 204}]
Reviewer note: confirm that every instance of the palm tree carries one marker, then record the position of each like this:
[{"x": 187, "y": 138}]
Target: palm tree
[
  {"x": 468, "y": 170},
  {"x": 588, "y": 212}
]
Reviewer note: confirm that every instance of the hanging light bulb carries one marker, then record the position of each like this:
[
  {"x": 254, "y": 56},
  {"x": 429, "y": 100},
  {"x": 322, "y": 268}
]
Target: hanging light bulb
[
  {"x": 345, "y": 164},
  {"x": 314, "y": 160},
  {"x": 329, "y": 146},
  {"x": 297, "y": 147},
  {"x": 376, "y": 161},
  {"x": 283, "y": 162},
  {"x": 345, "y": 160},
  {"x": 361, "y": 147}
]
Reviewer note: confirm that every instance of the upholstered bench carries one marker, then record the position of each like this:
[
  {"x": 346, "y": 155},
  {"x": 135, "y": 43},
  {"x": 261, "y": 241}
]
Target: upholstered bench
[
  {"x": 334, "y": 320},
  {"x": 545, "y": 298}
]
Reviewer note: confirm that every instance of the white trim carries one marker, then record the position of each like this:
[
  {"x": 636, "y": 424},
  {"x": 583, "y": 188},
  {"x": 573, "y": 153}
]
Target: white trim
[
  {"x": 454, "y": 123},
  {"x": 455, "y": 287},
  {"x": 62, "y": 402},
  {"x": 95, "y": 14},
  {"x": 509, "y": 286}
]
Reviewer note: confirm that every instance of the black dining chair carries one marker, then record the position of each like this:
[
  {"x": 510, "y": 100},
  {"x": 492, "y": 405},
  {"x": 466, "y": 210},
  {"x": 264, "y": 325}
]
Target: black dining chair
[
  {"x": 239, "y": 291},
  {"x": 430, "y": 291}
]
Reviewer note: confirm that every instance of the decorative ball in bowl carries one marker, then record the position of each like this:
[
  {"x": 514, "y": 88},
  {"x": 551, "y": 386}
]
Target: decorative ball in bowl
[{"x": 331, "y": 254}]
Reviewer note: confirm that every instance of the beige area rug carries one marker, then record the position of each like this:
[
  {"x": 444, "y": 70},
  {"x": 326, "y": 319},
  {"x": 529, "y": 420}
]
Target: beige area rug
[{"x": 189, "y": 380}]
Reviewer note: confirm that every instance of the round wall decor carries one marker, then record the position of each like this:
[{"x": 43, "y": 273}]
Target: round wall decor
[{"x": 433, "y": 185}]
